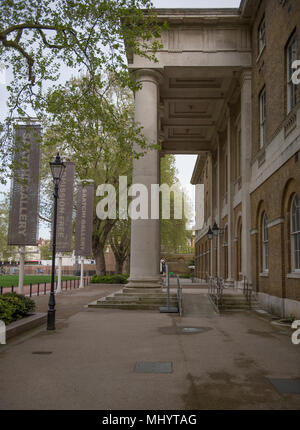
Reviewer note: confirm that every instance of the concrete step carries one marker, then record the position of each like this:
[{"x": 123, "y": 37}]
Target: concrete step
[
  {"x": 143, "y": 300},
  {"x": 135, "y": 291},
  {"x": 135, "y": 298},
  {"x": 242, "y": 306},
  {"x": 125, "y": 306},
  {"x": 234, "y": 303},
  {"x": 131, "y": 294}
]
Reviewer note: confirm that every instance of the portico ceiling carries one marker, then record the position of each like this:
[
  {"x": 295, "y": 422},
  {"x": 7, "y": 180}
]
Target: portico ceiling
[
  {"x": 202, "y": 56},
  {"x": 192, "y": 103}
]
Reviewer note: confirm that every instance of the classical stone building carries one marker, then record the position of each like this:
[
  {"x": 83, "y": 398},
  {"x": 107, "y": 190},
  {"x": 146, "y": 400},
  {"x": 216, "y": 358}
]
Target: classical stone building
[
  {"x": 222, "y": 89},
  {"x": 252, "y": 183}
]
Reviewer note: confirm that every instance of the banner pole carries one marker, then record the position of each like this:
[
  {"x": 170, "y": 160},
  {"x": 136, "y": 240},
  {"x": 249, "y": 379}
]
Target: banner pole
[
  {"x": 21, "y": 269},
  {"x": 81, "y": 272},
  {"x": 58, "y": 289}
]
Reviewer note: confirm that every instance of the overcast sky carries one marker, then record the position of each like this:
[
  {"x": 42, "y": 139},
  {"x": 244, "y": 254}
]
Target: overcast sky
[
  {"x": 185, "y": 163},
  {"x": 195, "y": 3}
]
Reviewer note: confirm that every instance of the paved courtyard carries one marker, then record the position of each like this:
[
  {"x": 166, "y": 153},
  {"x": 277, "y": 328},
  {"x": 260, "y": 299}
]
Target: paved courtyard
[{"x": 90, "y": 361}]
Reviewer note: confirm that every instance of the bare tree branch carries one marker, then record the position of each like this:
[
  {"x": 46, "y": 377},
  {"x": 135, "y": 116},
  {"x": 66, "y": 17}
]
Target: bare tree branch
[{"x": 45, "y": 219}]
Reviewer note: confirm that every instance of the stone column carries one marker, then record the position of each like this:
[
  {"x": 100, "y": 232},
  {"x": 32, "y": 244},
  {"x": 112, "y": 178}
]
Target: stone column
[
  {"x": 246, "y": 145},
  {"x": 218, "y": 220},
  {"x": 211, "y": 190},
  {"x": 229, "y": 196},
  {"x": 145, "y": 233}
]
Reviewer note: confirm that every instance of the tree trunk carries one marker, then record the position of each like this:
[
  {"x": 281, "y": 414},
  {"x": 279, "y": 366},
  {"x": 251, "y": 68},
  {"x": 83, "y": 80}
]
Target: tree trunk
[
  {"x": 119, "y": 266},
  {"x": 127, "y": 264},
  {"x": 100, "y": 260}
]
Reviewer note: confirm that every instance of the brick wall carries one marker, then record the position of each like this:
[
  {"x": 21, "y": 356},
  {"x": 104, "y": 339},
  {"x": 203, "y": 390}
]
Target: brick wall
[
  {"x": 274, "y": 197},
  {"x": 269, "y": 69}
]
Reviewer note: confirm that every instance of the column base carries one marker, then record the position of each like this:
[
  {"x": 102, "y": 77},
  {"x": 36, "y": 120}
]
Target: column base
[{"x": 147, "y": 283}]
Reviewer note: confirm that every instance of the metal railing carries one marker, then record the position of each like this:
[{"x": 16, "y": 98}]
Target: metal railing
[
  {"x": 215, "y": 291},
  {"x": 179, "y": 295},
  {"x": 42, "y": 288},
  {"x": 247, "y": 290}
]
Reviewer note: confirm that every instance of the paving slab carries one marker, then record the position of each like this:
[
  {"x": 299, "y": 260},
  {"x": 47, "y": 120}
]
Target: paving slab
[{"x": 89, "y": 361}]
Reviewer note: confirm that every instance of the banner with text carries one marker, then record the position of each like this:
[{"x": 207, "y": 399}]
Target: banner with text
[
  {"x": 84, "y": 220},
  {"x": 65, "y": 209},
  {"x": 24, "y": 197}
]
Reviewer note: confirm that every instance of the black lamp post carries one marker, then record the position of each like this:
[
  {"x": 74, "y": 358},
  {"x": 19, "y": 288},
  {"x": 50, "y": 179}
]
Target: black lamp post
[
  {"x": 57, "y": 168},
  {"x": 210, "y": 233}
]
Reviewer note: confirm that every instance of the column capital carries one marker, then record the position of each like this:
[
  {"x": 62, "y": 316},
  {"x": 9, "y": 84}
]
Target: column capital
[
  {"x": 148, "y": 75},
  {"x": 246, "y": 75}
]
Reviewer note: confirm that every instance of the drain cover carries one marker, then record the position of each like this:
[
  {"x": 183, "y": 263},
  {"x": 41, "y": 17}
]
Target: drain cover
[
  {"x": 42, "y": 352},
  {"x": 153, "y": 367},
  {"x": 287, "y": 386},
  {"x": 193, "y": 329}
]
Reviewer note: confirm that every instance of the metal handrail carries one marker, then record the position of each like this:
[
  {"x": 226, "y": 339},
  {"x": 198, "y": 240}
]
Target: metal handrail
[
  {"x": 247, "y": 291},
  {"x": 216, "y": 287},
  {"x": 179, "y": 295}
]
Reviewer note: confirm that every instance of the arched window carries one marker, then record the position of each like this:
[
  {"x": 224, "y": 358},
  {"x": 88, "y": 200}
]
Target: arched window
[
  {"x": 295, "y": 233},
  {"x": 265, "y": 243}
]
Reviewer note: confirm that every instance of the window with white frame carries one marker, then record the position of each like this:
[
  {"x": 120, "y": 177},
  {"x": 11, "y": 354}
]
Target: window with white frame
[
  {"x": 295, "y": 233},
  {"x": 261, "y": 36},
  {"x": 262, "y": 110},
  {"x": 265, "y": 243},
  {"x": 291, "y": 87}
]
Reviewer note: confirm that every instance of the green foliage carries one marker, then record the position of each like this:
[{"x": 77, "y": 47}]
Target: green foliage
[
  {"x": 13, "y": 280},
  {"x": 6, "y": 251},
  {"x": 109, "y": 279},
  {"x": 95, "y": 128},
  {"x": 37, "y": 37},
  {"x": 14, "y": 306},
  {"x": 174, "y": 234},
  {"x": 119, "y": 240},
  {"x": 45, "y": 249}
]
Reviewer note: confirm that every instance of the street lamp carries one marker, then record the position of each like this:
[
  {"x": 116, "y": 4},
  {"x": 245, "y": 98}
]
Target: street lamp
[
  {"x": 57, "y": 168},
  {"x": 215, "y": 229}
]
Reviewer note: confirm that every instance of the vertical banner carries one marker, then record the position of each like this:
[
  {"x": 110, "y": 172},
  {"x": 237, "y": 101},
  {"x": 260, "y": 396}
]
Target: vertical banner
[
  {"x": 24, "y": 198},
  {"x": 84, "y": 220},
  {"x": 65, "y": 209}
]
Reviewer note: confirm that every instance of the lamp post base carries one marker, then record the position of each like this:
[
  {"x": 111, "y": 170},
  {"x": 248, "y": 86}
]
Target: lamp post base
[{"x": 51, "y": 320}]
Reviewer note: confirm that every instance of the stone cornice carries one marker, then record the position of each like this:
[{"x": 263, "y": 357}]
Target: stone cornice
[
  {"x": 189, "y": 16},
  {"x": 198, "y": 169},
  {"x": 248, "y": 8},
  {"x": 197, "y": 12}
]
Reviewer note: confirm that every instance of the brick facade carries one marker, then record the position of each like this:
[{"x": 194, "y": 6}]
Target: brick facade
[{"x": 274, "y": 171}]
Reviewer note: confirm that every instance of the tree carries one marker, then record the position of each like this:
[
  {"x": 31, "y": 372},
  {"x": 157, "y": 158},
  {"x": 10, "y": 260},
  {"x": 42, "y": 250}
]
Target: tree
[
  {"x": 38, "y": 36},
  {"x": 119, "y": 240},
  {"x": 6, "y": 251},
  {"x": 97, "y": 136},
  {"x": 174, "y": 233},
  {"x": 45, "y": 250}
]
